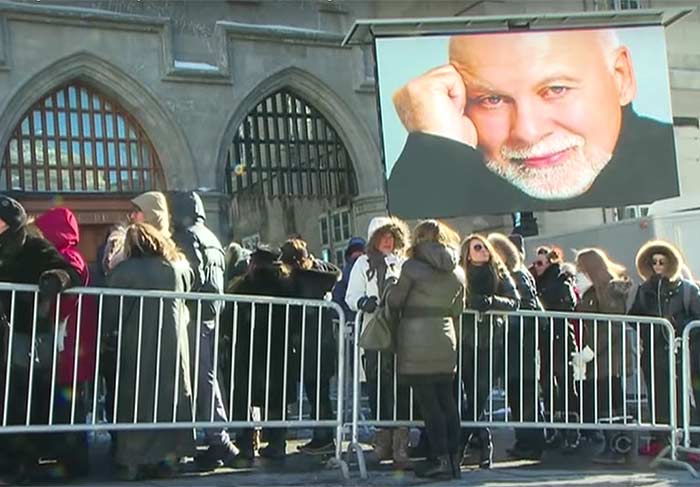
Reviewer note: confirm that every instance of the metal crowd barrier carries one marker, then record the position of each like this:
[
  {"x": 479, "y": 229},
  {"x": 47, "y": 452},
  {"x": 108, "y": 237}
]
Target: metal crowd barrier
[
  {"x": 562, "y": 401},
  {"x": 294, "y": 361},
  {"x": 690, "y": 377},
  {"x": 296, "y": 334}
]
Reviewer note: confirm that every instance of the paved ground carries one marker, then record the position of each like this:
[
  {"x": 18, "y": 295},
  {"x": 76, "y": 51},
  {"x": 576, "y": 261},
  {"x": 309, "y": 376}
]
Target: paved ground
[{"x": 300, "y": 470}]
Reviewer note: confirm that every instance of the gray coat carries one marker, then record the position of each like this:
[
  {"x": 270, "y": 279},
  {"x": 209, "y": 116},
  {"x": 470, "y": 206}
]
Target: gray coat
[
  {"x": 150, "y": 447},
  {"x": 429, "y": 297}
]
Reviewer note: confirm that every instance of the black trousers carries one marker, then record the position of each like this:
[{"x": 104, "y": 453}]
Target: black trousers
[
  {"x": 523, "y": 383},
  {"x": 439, "y": 409},
  {"x": 557, "y": 376},
  {"x": 380, "y": 387}
]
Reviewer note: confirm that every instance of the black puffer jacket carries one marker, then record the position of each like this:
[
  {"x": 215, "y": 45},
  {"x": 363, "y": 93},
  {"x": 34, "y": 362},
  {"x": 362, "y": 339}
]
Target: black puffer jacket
[
  {"x": 522, "y": 354},
  {"x": 201, "y": 247},
  {"x": 306, "y": 326},
  {"x": 487, "y": 292},
  {"x": 556, "y": 289},
  {"x": 239, "y": 325},
  {"x": 669, "y": 295},
  {"x": 30, "y": 259},
  {"x": 527, "y": 289}
]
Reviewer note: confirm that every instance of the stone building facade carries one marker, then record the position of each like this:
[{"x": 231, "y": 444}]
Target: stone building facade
[{"x": 254, "y": 102}]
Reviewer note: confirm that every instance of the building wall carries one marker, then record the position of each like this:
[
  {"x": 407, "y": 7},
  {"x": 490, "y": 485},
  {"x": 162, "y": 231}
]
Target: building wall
[{"x": 190, "y": 72}]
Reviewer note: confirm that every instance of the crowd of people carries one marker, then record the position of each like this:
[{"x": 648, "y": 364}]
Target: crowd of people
[{"x": 161, "y": 359}]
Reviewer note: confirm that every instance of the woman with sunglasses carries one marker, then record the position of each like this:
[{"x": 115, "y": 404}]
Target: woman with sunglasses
[
  {"x": 555, "y": 287},
  {"x": 488, "y": 287},
  {"x": 665, "y": 294},
  {"x": 607, "y": 294}
]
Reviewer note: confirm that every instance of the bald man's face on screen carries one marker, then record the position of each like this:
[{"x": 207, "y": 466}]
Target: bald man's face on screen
[{"x": 547, "y": 106}]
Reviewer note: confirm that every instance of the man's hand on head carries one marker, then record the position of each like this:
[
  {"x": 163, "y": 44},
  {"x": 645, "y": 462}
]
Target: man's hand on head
[{"x": 435, "y": 103}]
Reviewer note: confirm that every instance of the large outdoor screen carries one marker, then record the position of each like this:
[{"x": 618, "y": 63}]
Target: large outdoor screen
[{"x": 541, "y": 120}]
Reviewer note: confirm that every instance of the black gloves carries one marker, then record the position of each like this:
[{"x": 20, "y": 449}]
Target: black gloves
[
  {"x": 481, "y": 302},
  {"x": 367, "y": 304},
  {"x": 50, "y": 284}
]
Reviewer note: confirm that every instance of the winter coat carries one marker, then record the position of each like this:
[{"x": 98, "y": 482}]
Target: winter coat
[
  {"x": 365, "y": 280},
  {"x": 149, "y": 447},
  {"x": 267, "y": 325},
  {"x": 556, "y": 289},
  {"x": 341, "y": 287},
  {"x": 155, "y": 210},
  {"x": 521, "y": 339},
  {"x": 314, "y": 283},
  {"x": 527, "y": 289},
  {"x": 503, "y": 297},
  {"x": 60, "y": 227},
  {"x": 611, "y": 300},
  {"x": 668, "y": 296},
  {"x": 202, "y": 249},
  {"x": 429, "y": 296},
  {"x": 30, "y": 259}
]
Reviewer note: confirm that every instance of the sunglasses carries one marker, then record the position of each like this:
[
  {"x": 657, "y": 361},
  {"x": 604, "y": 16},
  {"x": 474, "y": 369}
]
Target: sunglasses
[
  {"x": 478, "y": 247},
  {"x": 539, "y": 263},
  {"x": 658, "y": 262}
]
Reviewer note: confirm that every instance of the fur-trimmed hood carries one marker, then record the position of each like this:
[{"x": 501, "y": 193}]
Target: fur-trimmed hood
[
  {"x": 675, "y": 259},
  {"x": 397, "y": 227}
]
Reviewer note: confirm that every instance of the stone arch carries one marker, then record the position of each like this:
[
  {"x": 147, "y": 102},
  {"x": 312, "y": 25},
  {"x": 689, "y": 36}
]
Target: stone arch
[
  {"x": 357, "y": 138},
  {"x": 164, "y": 132}
]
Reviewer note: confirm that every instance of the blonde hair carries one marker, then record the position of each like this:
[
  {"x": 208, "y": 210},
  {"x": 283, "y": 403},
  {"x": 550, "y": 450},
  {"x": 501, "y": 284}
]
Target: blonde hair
[
  {"x": 144, "y": 240},
  {"x": 433, "y": 231}
]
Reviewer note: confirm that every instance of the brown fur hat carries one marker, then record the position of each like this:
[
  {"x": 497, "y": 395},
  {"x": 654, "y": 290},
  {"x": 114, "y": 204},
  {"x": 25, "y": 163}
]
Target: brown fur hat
[{"x": 675, "y": 259}]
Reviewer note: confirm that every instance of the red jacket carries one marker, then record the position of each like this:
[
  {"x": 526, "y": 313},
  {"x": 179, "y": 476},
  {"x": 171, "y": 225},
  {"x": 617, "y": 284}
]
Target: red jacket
[{"x": 60, "y": 227}]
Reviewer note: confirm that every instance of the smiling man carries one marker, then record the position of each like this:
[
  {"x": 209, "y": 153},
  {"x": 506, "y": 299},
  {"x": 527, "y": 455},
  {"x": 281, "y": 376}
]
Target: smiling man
[{"x": 548, "y": 113}]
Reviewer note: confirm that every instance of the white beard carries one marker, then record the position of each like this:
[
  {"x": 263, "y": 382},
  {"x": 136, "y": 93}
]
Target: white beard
[{"x": 570, "y": 178}]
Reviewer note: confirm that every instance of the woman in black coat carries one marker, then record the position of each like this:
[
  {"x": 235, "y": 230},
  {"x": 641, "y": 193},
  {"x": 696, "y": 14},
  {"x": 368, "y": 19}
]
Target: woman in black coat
[
  {"x": 522, "y": 353},
  {"x": 311, "y": 329},
  {"x": 555, "y": 287},
  {"x": 265, "y": 276},
  {"x": 488, "y": 287},
  {"x": 665, "y": 294},
  {"x": 27, "y": 258}
]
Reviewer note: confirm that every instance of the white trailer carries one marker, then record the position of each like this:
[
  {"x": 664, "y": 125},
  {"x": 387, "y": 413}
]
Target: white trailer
[{"x": 621, "y": 240}]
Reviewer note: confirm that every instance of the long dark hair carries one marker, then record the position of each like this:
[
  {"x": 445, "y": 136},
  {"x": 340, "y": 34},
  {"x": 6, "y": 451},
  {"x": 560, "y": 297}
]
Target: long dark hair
[{"x": 495, "y": 264}]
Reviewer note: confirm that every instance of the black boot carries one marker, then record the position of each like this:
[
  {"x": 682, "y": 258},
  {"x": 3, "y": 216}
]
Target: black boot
[
  {"x": 276, "y": 448},
  {"x": 441, "y": 468},
  {"x": 456, "y": 464},
  {"x": 485, "y": 443},
  {"x": 244, "y": 442}
]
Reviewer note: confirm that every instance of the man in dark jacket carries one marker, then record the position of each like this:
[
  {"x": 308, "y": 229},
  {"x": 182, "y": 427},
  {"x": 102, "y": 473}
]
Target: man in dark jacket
[
  {"x": 208, "y": 262},
  {"x": 28, "y": 259},
  {"x": 313, "y": 279},
  {"x": 355, "y": 248}
]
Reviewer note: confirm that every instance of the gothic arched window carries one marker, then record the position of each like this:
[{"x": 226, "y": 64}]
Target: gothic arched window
[
  {"x": 75, "y": 139},
  {"x": 286, "y": 147}
]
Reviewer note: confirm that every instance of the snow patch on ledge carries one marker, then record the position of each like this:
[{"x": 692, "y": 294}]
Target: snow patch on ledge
[{"x": 195, "y": 66}]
